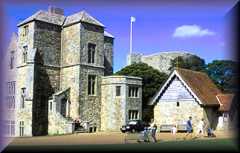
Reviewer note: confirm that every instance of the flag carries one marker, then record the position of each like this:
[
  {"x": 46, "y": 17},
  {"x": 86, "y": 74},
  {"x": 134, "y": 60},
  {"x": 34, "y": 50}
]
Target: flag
[{"x": 133, "y": 19}]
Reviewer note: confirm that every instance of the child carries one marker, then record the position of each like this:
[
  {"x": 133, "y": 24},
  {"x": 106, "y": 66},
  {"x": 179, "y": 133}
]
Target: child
[
  {"x": 174, "y": 130},
  {"x": 201, "y": 128}
]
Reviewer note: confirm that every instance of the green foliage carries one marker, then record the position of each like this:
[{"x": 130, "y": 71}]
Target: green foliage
[
  {"x": 192, "y": 62},
  {"x": 152, "y": 78},
  {"x": 224, "y": 74},
  {"x": 152, "y": 81}
]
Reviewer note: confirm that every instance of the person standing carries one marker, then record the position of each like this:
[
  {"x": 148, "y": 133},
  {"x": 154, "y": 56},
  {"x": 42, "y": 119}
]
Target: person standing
[
  {"x": 189, "y": 128},
  {"x": 153, "y": 132}
]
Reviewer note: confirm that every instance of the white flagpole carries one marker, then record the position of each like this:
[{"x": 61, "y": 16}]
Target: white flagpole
[
  {"x": 131, "y": 38},
  {"x": 132, "y": 20}
]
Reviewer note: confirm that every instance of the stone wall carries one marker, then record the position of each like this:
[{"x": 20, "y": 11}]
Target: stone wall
[
  {"x": 25, "y": 79},
  {"x": 134, "y": 58},
  {"x": 47, "y": 40},
  {"x": 57, "y": 123},
  {"x": 90, "y": 105},
  {"x": 108, "y": 55},
  {"x": 71, "y": 45},
  {"x": 167, "y": 111},
  {"x": 70, "y": 79},
  {"x": 75, "y": 69},
  {"x": 160, "y": 61},
  {"x": 8, "y": 78},
  {"x": 114, "y": 109},
  {"x": 58, "y": 57},
  {"x": 92, "y": 34},
  {"x": 24, "y": 114}
]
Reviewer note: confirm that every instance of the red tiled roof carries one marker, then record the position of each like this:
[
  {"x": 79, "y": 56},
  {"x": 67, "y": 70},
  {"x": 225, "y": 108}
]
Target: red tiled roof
[{"x": 225, "y": 101}]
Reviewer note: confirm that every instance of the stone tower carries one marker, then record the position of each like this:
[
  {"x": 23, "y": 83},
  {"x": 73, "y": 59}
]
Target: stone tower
[
  {"x": 86, "y": 56},
  {"x": 61, "y": 57},
  {"x": 38, "y": 68}
]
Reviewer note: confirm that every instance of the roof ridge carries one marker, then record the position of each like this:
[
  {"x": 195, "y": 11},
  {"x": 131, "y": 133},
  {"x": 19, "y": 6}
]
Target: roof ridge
[{"x": 194, "y": 71}]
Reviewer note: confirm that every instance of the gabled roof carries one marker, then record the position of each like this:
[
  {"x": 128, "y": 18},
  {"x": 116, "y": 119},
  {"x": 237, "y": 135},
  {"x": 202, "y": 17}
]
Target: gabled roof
[
  {"x": 82, "y": 16},
  {"x": 107, "y": 34},
  {"x": 225, "y": 101},
  {"x": 45, "y": 17},
  {"x": 198, "y": 83}
]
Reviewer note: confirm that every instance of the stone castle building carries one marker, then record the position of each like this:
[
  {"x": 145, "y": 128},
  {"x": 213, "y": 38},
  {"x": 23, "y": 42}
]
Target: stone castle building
[
  {"x": 160, "y": 61},
  {"x": 9, "y": 79},
  {"x": 61, "y": 62}
]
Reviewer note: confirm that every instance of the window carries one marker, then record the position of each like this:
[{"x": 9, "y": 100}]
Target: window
[
  {"x": 21, "y": 128},
  {"x": 132, "y": 114},
  {"x": 10, "y": 97},
  {"x": 177, "y": 103},
  {"x": 91, "y": 84},
  {"x": 25, "y": 30},
  {"x": 7, "y": 127},
  {"x": 11, "y": 102},
  {"x": 25, "y": 50},
  {"x": 12, "y": 60},
  {"x": 118, "y": 90},
  {"x": 225, "y": 117},
  {"x": 23, "y": 97},
  {"x": 50, "y": 105},
  {"x": 91, "y": 53},
  {"x": 133, "y": 92},
  {"x": 12, "y": 126}
]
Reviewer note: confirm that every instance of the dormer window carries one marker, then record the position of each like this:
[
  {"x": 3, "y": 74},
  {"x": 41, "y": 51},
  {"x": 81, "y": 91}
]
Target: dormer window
[
  {"x": 91, "y": 53},
  {"x": 25, "y": 30}
]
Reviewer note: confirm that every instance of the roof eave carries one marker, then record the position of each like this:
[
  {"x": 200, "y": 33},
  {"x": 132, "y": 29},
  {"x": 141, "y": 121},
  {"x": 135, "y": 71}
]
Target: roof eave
[
  {"x": 26, "y": 22},
  {"x": 76, "y": 22}
]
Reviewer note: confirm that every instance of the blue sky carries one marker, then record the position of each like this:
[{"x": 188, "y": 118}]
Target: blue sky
[{"x": 192, "y": 26}]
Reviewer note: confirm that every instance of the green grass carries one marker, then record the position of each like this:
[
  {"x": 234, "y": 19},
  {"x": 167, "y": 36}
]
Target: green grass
[{"x": 187, "y": 145}]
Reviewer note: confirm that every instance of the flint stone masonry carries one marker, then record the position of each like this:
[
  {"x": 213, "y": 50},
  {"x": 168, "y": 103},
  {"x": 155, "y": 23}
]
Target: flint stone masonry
[
  {"x": 114, "y": 109},
  {"x": 166, "y": 111},
  {"x": 59, "y": 124},
  {"x": 57, "y": 59},
  {"x": 160, "y": 61}
]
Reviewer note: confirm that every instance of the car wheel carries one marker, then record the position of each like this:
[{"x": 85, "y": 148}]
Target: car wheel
[{"x": 133, "y": 130}]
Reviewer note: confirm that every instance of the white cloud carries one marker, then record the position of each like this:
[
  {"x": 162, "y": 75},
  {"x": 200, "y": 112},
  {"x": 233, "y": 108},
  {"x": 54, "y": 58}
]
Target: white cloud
[{"x": 186, "y": 31}]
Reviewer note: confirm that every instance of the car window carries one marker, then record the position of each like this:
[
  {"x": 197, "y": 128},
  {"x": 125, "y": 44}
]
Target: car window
[{"x": 132, "y": 122}]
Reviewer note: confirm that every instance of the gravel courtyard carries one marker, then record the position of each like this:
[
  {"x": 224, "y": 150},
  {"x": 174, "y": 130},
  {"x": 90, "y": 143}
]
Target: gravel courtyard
[{"x": 99, "y": 138}]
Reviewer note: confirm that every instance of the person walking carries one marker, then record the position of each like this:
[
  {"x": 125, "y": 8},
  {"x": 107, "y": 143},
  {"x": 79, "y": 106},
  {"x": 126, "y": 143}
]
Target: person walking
[
  {"x": 189, "y": 128},
  {"x": 201, "y": 126},
  {"x": 153, "y": 132}
]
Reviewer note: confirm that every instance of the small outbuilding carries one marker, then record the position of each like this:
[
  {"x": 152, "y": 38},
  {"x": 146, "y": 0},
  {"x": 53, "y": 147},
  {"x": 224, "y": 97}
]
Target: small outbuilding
[{"x": 188, "y": 93}]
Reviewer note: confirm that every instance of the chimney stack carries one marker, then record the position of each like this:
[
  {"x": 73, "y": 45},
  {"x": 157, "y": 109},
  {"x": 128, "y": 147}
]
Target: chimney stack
[{"x": 55, "y": 10}]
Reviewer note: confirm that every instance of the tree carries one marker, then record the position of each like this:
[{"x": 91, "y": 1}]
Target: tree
[
  {"x": 224, "y": 73},
  {"x": 191, "y": 62},
  {"x": 152, "y": 81}
]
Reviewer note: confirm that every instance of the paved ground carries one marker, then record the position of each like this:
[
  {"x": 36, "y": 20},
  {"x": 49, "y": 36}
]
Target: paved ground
[{"x": 99, "y": 138}]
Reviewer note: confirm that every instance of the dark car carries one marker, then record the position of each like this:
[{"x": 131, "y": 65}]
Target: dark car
[{"x": 134, "y": 126}]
